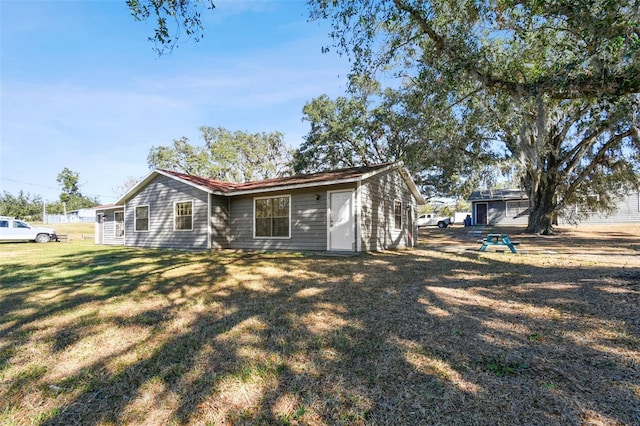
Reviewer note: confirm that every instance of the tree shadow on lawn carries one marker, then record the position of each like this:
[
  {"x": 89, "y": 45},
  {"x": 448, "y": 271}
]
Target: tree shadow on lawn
[
  {"x": 402, "y": 338},
  {"x": 602, "y": 240}
]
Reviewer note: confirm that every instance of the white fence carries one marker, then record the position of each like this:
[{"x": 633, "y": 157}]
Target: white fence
[{"x": 54, "y": 219}]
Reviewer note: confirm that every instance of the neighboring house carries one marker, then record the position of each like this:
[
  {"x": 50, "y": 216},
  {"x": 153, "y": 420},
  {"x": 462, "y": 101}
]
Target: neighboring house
[
  {"x": 511, "y": 207},
  {"x": 499, "y": 207},
  {"x": 628, "y": 211},
  {"x": 358, "y": 209}
]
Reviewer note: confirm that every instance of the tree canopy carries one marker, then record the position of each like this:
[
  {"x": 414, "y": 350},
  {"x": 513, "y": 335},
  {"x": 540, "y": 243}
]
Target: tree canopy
[
  {"x": 554, "y": 82},
  {"x": 174, "y": 20},
  {"x": 230, "y": 156},
  {"x": 71, "y": 198},
  {"x": 22, "y": 206},
  {"x": 379, "y": 125}
]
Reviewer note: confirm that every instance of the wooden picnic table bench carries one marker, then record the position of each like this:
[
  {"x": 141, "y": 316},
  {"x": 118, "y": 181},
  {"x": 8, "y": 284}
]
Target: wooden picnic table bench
[{"x": 498, "y": 240}]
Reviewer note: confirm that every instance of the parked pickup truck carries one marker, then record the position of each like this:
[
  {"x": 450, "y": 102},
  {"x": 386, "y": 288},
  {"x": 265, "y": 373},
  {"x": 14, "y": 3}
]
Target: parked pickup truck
[
  {"x": 12, "y": 229},
  {"x": 433, "y": 219}
]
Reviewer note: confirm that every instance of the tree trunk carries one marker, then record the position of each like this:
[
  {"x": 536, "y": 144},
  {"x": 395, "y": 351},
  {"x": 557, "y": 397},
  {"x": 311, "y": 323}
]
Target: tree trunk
[{"x": 542, "y": 209}]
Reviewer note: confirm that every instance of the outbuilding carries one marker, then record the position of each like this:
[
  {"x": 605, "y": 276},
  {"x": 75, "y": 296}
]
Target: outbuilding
[
  {"x": 499, "y": 207},
  {"x": 511, "y": 207}
]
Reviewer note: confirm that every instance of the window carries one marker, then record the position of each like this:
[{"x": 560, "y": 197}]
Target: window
[
  {"x": 271, "y": 217},
  {"x": 141, "y": 221},
  {"x": 4, "y": 223},
  {"x": 183, "y": 216},
  {"x": 397, "y": 214},
  {"x": 119, "y": 226},
  {"x": 18, "y": 224},
  {"x": 515, "y": 208}
]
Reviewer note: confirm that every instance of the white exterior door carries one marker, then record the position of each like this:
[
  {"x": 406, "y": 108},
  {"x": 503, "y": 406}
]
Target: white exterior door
[
  {"x": 99, "y": 229},
  {"x": 341, "y": 233}
]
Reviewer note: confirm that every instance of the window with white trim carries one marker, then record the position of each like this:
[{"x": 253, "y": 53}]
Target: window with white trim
[
  {"x": 272, "y": 217},
  {"x": 183, "y": 216},
  {"x": 397, "y": 214},
  {"x": 141, "y": 218},
  {"x": 515, "y": 208},
  {"x": 119, "y": 223}
]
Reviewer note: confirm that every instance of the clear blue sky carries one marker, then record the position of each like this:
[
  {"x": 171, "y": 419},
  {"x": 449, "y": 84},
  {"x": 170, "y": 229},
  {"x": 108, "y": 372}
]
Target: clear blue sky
[{"x": 82, "y": 88}]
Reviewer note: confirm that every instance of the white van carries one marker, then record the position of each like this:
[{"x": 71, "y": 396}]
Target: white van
[{"x": 12, "y": 229}]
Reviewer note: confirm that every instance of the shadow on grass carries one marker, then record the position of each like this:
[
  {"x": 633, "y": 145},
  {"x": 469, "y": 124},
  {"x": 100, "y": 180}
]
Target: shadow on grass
[{"x": 394, "y": 338}]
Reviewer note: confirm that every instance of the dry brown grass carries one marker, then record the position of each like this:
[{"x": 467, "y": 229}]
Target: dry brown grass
[{"x": 439, "y": 335}]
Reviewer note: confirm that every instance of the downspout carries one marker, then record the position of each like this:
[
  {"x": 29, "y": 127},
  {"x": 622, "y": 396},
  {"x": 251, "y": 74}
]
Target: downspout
[
  {"x": 124, "y": 224},
  {"x": 358, "y": 217},
  {"x": 209, "y": 198},
  {"x": 228, "y": 227}
]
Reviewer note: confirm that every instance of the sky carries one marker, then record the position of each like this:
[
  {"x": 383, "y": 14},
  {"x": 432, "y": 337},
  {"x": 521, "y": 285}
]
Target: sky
[{"x": 81, "y": 86}]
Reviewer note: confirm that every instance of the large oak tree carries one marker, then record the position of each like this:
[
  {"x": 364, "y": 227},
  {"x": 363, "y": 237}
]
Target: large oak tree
[{"x": 557, "y": 81}]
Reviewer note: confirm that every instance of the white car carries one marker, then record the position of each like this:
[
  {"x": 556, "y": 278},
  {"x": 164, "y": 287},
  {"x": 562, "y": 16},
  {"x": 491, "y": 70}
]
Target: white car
[
  {"x": 433, "y": 219},
  {"x": 12, "y": 229}
]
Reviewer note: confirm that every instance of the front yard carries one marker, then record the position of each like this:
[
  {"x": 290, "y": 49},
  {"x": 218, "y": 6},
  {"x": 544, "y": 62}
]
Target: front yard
[{"x": 96, "y": 336}]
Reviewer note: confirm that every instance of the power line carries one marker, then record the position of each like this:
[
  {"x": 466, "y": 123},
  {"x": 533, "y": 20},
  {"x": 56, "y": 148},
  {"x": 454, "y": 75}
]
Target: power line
[
  {"x": 50, "y": 187},
  {"x": 28, "y": 183}
]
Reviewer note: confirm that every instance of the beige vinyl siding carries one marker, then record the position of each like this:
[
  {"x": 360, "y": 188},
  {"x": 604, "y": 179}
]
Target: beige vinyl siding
[
  {"x": 378, "y": 196},
  {"x": 160, "y": 195},
  {"x": 308, "y": 221}
]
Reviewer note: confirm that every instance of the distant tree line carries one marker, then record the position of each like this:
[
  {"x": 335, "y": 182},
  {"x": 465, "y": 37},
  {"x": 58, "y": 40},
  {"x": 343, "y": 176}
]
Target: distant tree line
[{"x": 28, "y": 206}]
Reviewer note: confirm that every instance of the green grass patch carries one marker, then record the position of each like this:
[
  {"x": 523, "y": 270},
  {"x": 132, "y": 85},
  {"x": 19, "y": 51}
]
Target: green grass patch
[{"x": 114, "y": 335}]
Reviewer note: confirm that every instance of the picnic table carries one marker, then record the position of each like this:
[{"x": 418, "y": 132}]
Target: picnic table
[{"x": 498, "y": 240}]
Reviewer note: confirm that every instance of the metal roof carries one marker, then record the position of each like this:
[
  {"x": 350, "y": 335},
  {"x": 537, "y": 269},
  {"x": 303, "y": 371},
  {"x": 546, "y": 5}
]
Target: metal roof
[
  {"x": 497, "y": 195},
  {"x": 285, "y": 183}
]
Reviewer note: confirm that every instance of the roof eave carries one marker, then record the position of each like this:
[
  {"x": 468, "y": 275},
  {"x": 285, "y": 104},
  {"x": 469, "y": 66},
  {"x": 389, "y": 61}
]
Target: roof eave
[
  {"x": 152, "y": 175},
  {"x": 275, "y": 188}
]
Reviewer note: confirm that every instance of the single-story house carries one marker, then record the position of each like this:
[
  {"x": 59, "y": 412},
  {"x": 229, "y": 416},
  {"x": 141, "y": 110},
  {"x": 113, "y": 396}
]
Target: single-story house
[
  {"x": 511, "y": 207},
  {"x": 499, "y": 207},
  {"x": 357, "y": 209}
]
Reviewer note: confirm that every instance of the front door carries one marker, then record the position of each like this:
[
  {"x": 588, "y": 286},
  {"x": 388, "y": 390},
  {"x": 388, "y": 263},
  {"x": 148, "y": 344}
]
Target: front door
[
  {"x": 99, "y": 238},
  {"x": 341, "y": 233},
  {"x": 481, "y": 213}
]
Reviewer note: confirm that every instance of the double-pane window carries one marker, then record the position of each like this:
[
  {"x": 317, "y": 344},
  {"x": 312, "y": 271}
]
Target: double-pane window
[
  {"x": 272, "y": 217},
  {"x": 397, "y": 214},
  {"x": 183, "y": 216},
  {"x": 515, "y": 208},
  {"x": 141, "y": 222}
]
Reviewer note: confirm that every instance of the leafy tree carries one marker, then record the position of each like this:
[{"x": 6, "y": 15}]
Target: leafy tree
[
  {"x": 23, "y": 206},
  {"x": 174, "y": 20},
  {"x": 229, "y": 156},
  {"x": 556, "y": 81},
  {"x": 70, "y": 195},
  {"x": 68, "y": 182},
  {"x": 414, "y": 126}
]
